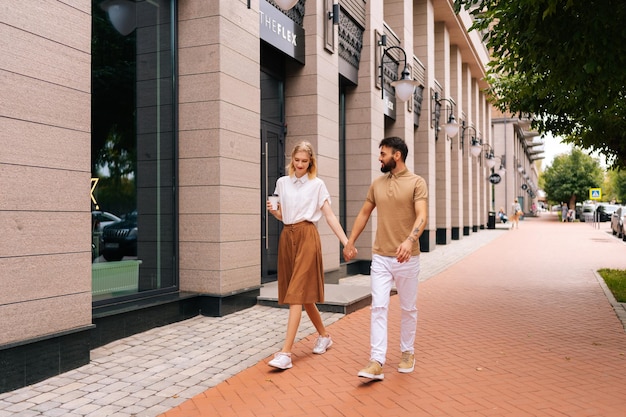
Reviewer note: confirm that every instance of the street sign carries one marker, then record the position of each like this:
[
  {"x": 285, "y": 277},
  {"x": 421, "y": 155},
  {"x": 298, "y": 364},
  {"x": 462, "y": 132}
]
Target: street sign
[
  {"x": 495, "y": 178},
  {"x": 595, "y": 193}
]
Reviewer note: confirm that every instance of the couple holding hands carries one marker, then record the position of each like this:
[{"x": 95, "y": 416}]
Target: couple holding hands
[{"x": 401, "y": 200}]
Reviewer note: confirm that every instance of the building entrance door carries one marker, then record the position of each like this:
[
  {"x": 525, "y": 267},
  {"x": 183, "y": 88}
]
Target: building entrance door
[{"x": 272, "y": 167}]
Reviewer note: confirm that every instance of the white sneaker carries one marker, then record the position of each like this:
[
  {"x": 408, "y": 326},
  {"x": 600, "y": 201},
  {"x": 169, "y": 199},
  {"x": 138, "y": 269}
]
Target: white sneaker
[
  {"x": 281, "y": 360},
  {"x": 322, "y": 344}
]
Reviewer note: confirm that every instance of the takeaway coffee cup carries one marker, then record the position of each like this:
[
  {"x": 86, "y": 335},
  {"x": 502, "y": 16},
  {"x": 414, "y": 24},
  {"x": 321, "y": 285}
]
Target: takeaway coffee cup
[{"x": 274, "y": 201}]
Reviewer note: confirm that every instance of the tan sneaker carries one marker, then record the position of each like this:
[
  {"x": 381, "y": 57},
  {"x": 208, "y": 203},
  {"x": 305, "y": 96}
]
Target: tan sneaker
[
  {"x": 373, "y": 370},
  {"x": 407, "y": 363}
]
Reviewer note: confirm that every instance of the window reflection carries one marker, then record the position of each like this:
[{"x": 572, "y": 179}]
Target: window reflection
[{"x": 133, "y": 242}]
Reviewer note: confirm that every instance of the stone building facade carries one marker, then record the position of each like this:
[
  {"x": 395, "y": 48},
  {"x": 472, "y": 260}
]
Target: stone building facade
[{"x": 178, "y": 116}]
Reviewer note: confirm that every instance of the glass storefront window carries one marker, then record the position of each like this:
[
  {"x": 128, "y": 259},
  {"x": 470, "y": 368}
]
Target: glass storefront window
[{"x": 133, "y": 152}]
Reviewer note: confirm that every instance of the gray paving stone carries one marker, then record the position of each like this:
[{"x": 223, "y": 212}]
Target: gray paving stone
[
  {"x": 20, "y": 407},
  {"x": 111, "y": 398},
  {"x": 59, "y": 412},
  {"x": 76, "y": 404},
  {"x": 43, "y": 397},
  {"x": 45, "y": 407},
  {"x": 108, "y": 411},
  {"x": 87, "y": 409}
]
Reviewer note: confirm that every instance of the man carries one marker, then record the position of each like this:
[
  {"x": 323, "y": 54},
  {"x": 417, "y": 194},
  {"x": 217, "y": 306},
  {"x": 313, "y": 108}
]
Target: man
[{"x": 401, "y": 199}]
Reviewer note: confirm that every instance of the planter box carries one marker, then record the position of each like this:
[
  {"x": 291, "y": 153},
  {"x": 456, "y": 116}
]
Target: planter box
[{"x": 115, "y": 277}]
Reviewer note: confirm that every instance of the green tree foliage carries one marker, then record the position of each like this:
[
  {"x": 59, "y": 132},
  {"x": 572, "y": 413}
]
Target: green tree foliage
[
  {"x": 570, "y": 177},
  {"x": 617, "y": 185},
  {"x": 609, "y": 193},
  {"x": 113, "y": 129},
  {"x": 561, "y": 61}
]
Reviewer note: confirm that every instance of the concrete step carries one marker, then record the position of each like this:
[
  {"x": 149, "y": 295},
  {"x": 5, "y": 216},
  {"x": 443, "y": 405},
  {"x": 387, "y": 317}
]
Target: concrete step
[{"x": 349, "y": 295}]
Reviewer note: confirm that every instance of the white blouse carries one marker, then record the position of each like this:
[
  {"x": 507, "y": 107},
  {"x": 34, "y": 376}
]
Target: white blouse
[{"x": 301, "y": 199}]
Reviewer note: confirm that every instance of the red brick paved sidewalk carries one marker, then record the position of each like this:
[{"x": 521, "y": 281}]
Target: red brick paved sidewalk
[{"x": 521, "y": 327}]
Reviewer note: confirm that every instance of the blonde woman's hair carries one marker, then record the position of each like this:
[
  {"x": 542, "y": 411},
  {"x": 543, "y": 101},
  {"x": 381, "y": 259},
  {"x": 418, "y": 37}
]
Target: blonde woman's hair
[{"x": 304, "y": 147}]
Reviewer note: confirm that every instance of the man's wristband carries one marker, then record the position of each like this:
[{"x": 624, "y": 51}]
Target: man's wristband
[{"x": 411, "y": 238}]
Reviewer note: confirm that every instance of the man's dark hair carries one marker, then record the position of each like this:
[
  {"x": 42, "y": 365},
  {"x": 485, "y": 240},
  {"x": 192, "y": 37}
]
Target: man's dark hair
[{"x": 397, "y": 144}]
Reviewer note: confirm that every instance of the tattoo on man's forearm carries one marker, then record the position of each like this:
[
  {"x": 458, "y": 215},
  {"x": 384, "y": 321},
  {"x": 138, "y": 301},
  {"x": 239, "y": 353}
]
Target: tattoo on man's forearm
[{"x": 418, "y": 228}]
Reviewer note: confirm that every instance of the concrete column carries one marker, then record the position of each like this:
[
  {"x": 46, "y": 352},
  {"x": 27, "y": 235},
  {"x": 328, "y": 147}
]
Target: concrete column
[
  {"x": 457, "y": 159},
  {"x": 469, "y": 161},
  {"x": 443, "y": 170},
  {"x": 364, "y": 131},
  {"x": 424, "y": 139},
  {"x": 312, "y": 114},
  {"x": 398, "y": 16},
  {"x": 478, "y": 201},
  {"x": 219, "y": 146},
  {"x": 45, "y": 170},
  {"x": 485, "y": 184}
]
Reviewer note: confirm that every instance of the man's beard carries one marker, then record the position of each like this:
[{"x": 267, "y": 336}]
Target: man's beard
[{"x": 389, "y": 166}]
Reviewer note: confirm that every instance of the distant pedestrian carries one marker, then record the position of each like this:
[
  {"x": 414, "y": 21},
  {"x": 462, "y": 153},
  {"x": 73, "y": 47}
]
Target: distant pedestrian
[
  {"x": 303, "y": 199},
  {"x": 516, "y": 213},
  {"x": 564, "y": 210},
  {"x": 502, "y": 215},
  {"x": 401, "y": 200}
]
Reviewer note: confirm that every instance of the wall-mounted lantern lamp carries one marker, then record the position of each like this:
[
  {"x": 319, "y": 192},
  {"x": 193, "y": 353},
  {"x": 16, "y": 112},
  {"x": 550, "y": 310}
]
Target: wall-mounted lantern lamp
[
  {"x": 502, "y": 169},
  {"x": 491, "y": 163},
  {"x": 476, "y": 148},
  {"x": 405, "y": 86},
  {"x": 490, "y": 159},
  {"x": 283, "y": 4},
  {"x": 286, "y": 4},
  {"x": 473, "y": 139},
  {"x": 334, "y": 14},
  {"x": 451, "y": 127},
  {"x": 122, "y": 14}
]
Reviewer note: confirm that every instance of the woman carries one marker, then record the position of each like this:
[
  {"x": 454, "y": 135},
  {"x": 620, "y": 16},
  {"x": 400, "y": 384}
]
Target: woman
[
  {"x": 517, "y": 212},
  {"x": 303, "y": 199}
]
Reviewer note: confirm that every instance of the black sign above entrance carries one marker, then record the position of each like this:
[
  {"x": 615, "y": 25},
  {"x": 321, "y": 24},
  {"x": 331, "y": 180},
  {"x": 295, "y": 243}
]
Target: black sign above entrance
[
  {"x": 495, "y": 178},
  {"x": 280, "y": 31}
]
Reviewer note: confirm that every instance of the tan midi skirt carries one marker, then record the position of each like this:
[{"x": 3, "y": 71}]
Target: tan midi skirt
[{"x": 300, "y": 268}]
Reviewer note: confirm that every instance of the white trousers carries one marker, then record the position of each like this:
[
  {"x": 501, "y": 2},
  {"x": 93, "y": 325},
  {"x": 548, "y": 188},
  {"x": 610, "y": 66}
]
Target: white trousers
[{"x": 385, "y": 271}]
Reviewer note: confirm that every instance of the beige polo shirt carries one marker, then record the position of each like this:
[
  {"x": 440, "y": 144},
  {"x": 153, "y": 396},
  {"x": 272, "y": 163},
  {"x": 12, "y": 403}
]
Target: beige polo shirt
[{"x": 394, "y": 197}]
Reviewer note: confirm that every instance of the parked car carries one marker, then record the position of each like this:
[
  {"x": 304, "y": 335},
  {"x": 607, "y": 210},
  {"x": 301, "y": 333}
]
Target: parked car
[
  {"x": 604, "y": 211},
  {"x": 623, "y": 232},
  {"x": 617, "y": 221},
  {"x": 100, "y": 219},
  {"x": 587, "y": 211},
  {"x": 120, "y": 239}
]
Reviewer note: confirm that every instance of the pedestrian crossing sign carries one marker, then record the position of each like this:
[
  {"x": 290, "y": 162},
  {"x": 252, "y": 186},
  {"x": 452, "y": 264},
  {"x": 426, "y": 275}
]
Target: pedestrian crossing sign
[{"x": 595, "y": 194}]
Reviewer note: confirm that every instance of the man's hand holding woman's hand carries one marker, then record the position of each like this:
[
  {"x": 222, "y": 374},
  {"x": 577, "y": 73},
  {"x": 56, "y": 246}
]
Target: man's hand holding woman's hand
[{"x": 349, "y": 251}]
